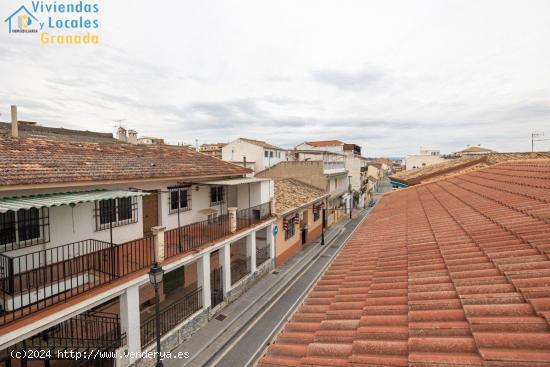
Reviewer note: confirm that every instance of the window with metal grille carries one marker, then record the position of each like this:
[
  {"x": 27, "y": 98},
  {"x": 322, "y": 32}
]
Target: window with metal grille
[
  {"x": 23, "y": 228},
  {"x": 216, "y": 195},
  {"x": 179, "y": 196},
  {"x": 119, "y": 212},
  {"x": 316, "y": 214},
  {"x": 290, "y": 229}
]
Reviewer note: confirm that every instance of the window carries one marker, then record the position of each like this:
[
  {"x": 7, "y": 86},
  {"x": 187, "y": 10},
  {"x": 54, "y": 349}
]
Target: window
[
  {"x": 316, "y": 213},
  {"x": 26, "y": 227},
  {"x": 266, "y": 154},
  {"x": 289, "y": 229},
  {"x": 119, "y": 212},
  {"x": 216, "y": 195},
  {"x": 180, "y": 197},
  {"x": 271, "y": 154}
]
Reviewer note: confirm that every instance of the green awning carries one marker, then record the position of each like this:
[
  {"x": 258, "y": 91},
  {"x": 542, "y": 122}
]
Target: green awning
[{"x": 66, "y": 198}]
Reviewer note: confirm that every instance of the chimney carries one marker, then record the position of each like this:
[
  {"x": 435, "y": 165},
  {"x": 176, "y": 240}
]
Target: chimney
[
  {"x": 132, "y": 136},
  {"x": 14, "y": 126},
  {"x": 121, "y": 134}
]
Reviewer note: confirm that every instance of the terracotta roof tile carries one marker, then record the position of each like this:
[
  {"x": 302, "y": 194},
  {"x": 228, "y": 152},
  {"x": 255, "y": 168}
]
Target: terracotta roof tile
[
  {"x": 291, "y": 194},
  {"x": 36, "y": 161},
  {"x": 461, "y": 278}
]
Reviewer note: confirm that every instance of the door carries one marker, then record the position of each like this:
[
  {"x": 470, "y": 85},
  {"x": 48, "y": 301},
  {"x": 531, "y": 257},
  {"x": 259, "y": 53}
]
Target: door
[
  {"x": 150, "y": 212},
  {"x": 304, "y": 235}
]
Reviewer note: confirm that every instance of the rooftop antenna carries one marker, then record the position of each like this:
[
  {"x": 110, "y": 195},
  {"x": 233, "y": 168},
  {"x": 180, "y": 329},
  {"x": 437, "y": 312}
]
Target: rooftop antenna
[{"x": 534, "y": 136}]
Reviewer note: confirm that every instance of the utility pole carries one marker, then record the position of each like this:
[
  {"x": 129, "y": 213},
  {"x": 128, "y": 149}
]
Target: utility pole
[{"x": 534, "y": 135}]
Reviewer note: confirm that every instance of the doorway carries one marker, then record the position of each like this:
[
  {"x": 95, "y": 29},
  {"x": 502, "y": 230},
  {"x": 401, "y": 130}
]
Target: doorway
[
  {"x": 150, "y": 212},
  {"x": 304, "y": 236}
]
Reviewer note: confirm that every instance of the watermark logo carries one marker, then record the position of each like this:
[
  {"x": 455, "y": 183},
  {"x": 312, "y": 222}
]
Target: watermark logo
[
  {"x": 57, "y": 23},
  {"x": 22, "y": 21}
]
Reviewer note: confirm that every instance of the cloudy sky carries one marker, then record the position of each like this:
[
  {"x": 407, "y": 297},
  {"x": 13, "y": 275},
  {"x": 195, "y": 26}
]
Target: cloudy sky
[{"x": 390, "y": 76}]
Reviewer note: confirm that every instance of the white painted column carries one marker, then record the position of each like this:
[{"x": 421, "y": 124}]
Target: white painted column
[
  {"x": 251, "y": 250},
  {"x": 130, "y": 323},
  {"x": 203, "y": 278},
  {"x": 225, "y": 259},
  {"x": 271, "y": 240}
]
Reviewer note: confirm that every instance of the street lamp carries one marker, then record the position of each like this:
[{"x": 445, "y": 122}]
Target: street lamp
[{"x": 155, "y": 277}]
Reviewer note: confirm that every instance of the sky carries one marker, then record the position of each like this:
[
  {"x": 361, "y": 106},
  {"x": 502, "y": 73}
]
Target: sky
[{"x": 390, "y": 76}]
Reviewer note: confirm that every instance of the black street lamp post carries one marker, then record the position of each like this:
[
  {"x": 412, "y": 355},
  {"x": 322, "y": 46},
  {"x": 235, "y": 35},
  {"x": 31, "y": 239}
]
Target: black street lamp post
[{"x": 155, "y": 277}]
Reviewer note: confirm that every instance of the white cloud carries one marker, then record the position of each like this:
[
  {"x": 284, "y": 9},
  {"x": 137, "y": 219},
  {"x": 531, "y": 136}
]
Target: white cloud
[{"x": 390, "y": 76}]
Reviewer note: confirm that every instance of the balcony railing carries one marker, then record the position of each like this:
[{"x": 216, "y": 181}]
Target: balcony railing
[
  {"x": 171, "y": 316},
  {"x": 188, "y": 237},
  {"x": 91, "y": 330},
  {"x": 253, "y": 215},
  {"x": 240, "y": 267},
  {"x": 34, "y": 281},
  {"x": 262, "y": 255}
]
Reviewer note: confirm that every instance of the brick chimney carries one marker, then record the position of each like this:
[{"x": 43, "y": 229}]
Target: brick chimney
[{"x": 14, "y": 125}]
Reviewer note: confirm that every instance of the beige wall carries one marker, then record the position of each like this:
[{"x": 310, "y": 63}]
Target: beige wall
[
  {"x": 308, "y": 172},
  {"x": 284, "y": 249}
]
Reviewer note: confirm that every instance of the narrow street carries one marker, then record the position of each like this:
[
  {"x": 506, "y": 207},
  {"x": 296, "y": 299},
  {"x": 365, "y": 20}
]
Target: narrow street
[{"x": 244, "y": 340}]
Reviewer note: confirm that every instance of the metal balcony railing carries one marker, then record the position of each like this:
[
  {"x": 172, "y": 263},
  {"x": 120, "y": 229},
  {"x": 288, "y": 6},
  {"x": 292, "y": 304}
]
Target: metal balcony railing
[
  {"x": 240, "y": 267},
  {"x": 253, "y": 215},
  {"x": 36, "y": 280},
  {"x": 188, "y": 237},
  {"x": 262, "y": 255},
  {"x": 171, "y": 316},
  {"x": 91, "y": 330}
]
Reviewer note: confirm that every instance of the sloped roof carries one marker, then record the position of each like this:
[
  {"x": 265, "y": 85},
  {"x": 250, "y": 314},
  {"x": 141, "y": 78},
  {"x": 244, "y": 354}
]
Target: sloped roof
[
  {"x": 324, "y": 143},
  {"x": 36, "y": 161},
  {"x": 261, "y": 143},
  {"x": 450, "y": 273},
  {"x": 33, "y": 130},
  {"x": 460, "y": 165},
  {"x": 475, "y": 149},
  {"x": 291, "y": 193}
]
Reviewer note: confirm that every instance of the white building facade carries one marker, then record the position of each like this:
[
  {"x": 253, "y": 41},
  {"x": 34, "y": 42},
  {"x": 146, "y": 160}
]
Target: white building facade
[{"x": 262, "y": 155}]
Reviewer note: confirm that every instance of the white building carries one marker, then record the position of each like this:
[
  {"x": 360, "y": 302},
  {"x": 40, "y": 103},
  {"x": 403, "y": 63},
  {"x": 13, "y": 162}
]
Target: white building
[
  {"x": 82, "y": 223},
  {"x": 425, "y": 158},
  {"x": 261, "y": 154}
]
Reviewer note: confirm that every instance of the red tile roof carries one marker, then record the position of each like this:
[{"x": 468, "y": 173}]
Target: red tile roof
[
  {"x": 461, "y": 165},
  {"x": 35, "y": 161},
  {"x": 461, "y": 277}
]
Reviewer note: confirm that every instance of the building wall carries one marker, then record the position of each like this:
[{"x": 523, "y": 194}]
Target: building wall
[
  {"x": 238, "y": 149},
  {"x": 310, "y": 172},
  {"x": 419, "y": 161},
  {"x": 284, "y": 249}
]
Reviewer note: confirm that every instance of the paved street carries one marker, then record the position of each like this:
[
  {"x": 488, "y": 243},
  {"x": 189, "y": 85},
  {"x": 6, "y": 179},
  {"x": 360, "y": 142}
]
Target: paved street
[{"x": 253, "y": 319}]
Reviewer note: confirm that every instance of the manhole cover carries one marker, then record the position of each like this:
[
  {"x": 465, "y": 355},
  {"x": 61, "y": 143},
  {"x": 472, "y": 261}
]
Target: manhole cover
[{"x": 220, "y": 317}]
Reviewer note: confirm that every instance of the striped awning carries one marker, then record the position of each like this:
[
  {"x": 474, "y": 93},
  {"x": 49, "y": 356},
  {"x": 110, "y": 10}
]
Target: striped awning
[{"x": 65, "y": 198}]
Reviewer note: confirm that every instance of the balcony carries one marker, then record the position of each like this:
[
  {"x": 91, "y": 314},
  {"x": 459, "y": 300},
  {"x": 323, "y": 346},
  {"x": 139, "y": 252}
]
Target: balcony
[
  {"x": 37, "y": 280},
  {"x": 333, "y": 167}
]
